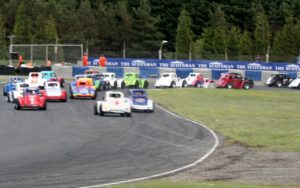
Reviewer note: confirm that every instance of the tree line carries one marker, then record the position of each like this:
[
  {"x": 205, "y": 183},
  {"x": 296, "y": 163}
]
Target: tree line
[{"x": 201, "y": 29}]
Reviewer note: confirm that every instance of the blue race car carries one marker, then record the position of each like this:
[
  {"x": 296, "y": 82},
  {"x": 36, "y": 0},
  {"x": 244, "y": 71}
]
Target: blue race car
[
  {"x": 11, "y": 84},
  {"x": 139, "y": 100}
]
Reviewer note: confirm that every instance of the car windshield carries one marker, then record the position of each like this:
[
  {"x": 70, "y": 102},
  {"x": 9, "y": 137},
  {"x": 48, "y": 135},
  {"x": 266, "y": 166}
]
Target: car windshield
[
  {"x": 34, "y": 75},
  {"x": 106, "y": 75},
  {"x": 139, "y": 93},
  {"x": 129, "y": 75},
  {"x": 192, "y": 75},
  {"x": 165, "y": 75},
  {"x": 115, "y": 95},
  {"x": 52, "y": 85},
  {"x": 32, "y": 92}
]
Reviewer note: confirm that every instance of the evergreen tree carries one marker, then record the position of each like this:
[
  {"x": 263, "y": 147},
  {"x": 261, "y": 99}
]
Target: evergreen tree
[
  {"x": 3, "y": 47},
  {"x": 146, "y": 35},
  {"x": 50, "y": 30},
  {"x": 87, "y": 27},
  {"x": 23, "y": 25},
  {"x": 245, "y": 45},
  {"x": 184, "y": 35},
  {"x": 124, "y": 23},
  {"x": 262, "y": 31}
]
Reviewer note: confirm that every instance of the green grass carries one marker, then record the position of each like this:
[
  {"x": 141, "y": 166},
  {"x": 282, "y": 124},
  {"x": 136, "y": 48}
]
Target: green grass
[
  {"x": 261, "y": 119},
  {"x": 170, "y": 184}
]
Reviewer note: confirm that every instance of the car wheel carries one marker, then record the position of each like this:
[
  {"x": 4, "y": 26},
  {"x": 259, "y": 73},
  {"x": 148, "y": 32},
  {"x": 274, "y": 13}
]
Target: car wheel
[
  {"x": 298, "y": 86},
  {"x": 62, "y": 83},
  {"x": 146, "y": 84},
  {"x": 198, "y": 85},
  {"x": 172, "y": 84},
  {"x": 229, "y": 85},
  {"x": 279, "y": 83},
  {"x": 95, "y": 95},
  {"x": 100, "y": 111},
  {"x": 17, "y": 105},
  {"x": 95, "y": 109},
  {"x": 127, "y": 114},
  {"x": 184, "y": 84},
  {"x": 122, "y": 85},
  {"x": 108, "y": 86},
  {"x": 136, "y": 85},
  {"x": 4, "y": 93},
  {"x": 115, "y": 85},
  {"x": 44, "y": 107},
  {"x": 246, "y": 86}
]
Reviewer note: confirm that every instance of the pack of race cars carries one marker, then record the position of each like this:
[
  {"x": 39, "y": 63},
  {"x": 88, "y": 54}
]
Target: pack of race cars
[{"x": 40, "y": 87}]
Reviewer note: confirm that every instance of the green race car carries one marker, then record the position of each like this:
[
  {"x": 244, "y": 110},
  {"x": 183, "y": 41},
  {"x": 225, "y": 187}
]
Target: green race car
[{"x": 133, "y": 80}]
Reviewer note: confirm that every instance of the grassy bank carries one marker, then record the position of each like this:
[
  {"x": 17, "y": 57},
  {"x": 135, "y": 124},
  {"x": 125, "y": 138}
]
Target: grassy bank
[{"x": 264, "y": 119}]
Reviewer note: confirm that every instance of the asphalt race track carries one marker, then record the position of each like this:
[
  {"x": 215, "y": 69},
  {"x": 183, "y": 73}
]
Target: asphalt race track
[{"x": 68, "y": 146}]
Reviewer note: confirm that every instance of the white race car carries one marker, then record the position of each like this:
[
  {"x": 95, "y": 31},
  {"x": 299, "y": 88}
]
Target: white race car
[
  {"x": 53, "y": 91},
  {"x": 113, "y": 103},
  {"x": 295, "y": 83},
  {"x": 114, "y": 82},
  {"x": 35, "y": 79},
  {"x": 13, "y": 95},
  {"x": 170, "y": 80}
]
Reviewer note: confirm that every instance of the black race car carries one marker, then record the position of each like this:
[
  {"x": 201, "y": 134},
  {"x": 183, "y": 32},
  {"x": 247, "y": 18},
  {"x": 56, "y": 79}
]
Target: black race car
[{"x": 279, "y": 80}]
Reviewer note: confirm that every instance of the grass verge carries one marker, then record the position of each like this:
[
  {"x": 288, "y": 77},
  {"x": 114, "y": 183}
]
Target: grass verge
[{"x": 256, "y": 118}]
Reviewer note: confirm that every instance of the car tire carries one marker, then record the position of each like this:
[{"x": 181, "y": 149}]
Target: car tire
[
  {"x": 229, "y": 86},
  {"x": 279, "y": 83},
  {"x": 95, "y": 95},
  {"x": 198, "y": 84},
  {"x": 101, "y": 113},
  {"x": 146, "y": 84},
  {"x": 127, "y": 114},
  {"x": 44, "y": 107},
  {"x": 95, "y": 109},
  {"x": 115, "y": 85},
  {"x": 172, "y": 85},
  {"x": 136, "y": 85},
  {"x": 17, "y": 105},
  {"x": 184, "y": 84},
  {"x": 246, "y": 86},
  {"x": 62, "y": 83},
  {"x": 122, "y": 85}
]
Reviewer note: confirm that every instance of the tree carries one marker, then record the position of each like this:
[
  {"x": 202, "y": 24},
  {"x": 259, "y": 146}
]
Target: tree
[
  {"x": 3, "y": 47},
  {"x": 87, "y": 27},
  {"x": 23, "y": 25},
  {"x": 146, "y": 34},
  {"x": 262, "y": 31},
  {"x": 124, "y": 21},
  {"x": 184, "y": 35},
  {"x": 245, "y": 45},
  {"x": 50, "y": 30}
]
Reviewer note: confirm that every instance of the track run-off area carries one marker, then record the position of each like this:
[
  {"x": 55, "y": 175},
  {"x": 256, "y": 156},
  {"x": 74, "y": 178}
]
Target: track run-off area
[{"x": 68, "y": 146}]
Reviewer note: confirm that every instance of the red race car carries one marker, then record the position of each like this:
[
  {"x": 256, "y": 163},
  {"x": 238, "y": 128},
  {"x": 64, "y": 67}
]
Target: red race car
[
  {"x": 234, "y": 80},
  {"x": 53, "y": 91},
  {"x": 31, "y": 98}
]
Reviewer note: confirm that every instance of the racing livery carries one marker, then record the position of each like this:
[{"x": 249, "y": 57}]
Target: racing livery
[
  {"x": 83, "y": 88},
  {"x": 198, "y": 80},
  {"x": 279, "y": 80},
  {"x": 170, "y": 80},
  {"x": 31, "y": 99},
  {"x": 113, "y": 103},
  {"x": 234, "y": 80},
  {"x": 10, "y": 85},
  {"x": 13, "y": 95},
  {"x": 35, "y": 79},
  {"x": 295, "y": 84},
  {"x": 133, "y": 80},
  {"x": 53, "y": 91},
  {"x": 98, "y": 80},
  {"x": 139, "y": 100}
]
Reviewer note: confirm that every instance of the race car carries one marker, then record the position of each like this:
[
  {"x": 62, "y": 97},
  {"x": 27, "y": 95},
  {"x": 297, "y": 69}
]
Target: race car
[
  {"x": 170, "y": 80},
  {"x": 98, "y": 80},
  {"x": 295, "y": 84},
  {"x": 83, "y": 88},
  {"x": 31, "y": 99},
  {"x": 234, "y": 80},
  {"x": 35, "y": 79},
  {"x": 112, "y": 79},
  {"x": 279, "y": 80},
  {"x": 91, "y": 72},
  {"x": 139, "y": 100},
  {"x": 114, "y": 102},
  {"x": 198, "y": 80},
  {"x": 53, "y": 91},
  {"x": 10, "y": 85},
  {"x": 51, "y": 76},
  {"x": 19, "y": 88},
  {"x": 133, "y": 80}
]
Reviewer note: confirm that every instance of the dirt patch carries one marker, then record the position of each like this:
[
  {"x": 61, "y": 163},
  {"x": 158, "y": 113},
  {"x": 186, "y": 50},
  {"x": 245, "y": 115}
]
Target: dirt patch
[{"x": 239, "y": 163}]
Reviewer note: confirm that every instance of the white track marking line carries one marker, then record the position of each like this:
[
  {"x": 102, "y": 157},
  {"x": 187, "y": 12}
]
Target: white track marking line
[{"x": 172, "y": 171}]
